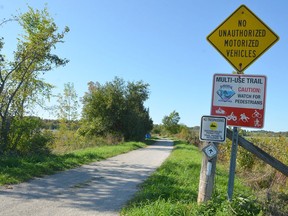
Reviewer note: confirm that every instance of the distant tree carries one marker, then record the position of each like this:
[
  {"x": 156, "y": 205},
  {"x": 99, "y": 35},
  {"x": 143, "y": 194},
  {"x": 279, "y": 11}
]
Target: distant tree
[
  {"x": 50, "y": 124},
  {"x": 184, "y": 131},
  {"x": 20, "y": 84},
  {"x": 103, "y": 108},
  {"x": 170, "y": 122},
  {"x": 116, "y": 108},
  {"x": 68, "y": 105},
  {"x": 157, "y": 129},
  {"x": 136, "y": 119}
]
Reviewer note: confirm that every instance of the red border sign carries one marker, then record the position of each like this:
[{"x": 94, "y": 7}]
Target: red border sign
[{"x": 241, "y": 98}]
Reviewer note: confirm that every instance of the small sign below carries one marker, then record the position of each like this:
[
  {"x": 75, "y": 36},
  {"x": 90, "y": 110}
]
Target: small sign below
[
  {"x": 213, "y": 128},
  {"x": 210, "y": 150}
]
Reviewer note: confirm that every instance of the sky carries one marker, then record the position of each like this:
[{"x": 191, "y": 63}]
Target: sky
[{"x": 161, "y": 42}]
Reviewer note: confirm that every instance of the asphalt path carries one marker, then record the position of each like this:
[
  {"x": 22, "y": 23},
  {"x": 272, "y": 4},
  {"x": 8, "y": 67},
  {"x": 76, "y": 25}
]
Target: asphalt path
[{"x": 100, "y": 188}]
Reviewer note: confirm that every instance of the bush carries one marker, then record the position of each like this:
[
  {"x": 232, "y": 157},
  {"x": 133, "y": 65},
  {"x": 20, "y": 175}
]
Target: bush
[
  {"x": 69, "y": 140},
  {"x": 245, "y": 159},
  {"x": 261, "y": 177},
  {"x": 39, "y": 143},
  {"x": 27, "y": 138}
]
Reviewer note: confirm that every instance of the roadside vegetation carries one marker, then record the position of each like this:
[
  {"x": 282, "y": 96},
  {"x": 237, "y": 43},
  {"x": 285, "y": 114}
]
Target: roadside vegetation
[
  {"x": 269, "y": 186},
  {"x": 114, "y": 109},
  {"x": 16, "y": 169},
  {"x": 173, "y": 189},
  {"x": 114, "y": 120}
]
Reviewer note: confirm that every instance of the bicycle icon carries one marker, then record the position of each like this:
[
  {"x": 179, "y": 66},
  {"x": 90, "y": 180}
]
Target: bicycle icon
[{"x": 232, "y": 117}]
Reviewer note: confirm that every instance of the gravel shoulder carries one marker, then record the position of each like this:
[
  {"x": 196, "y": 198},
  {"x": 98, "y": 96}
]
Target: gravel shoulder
[{"x": 99, "y": 188}]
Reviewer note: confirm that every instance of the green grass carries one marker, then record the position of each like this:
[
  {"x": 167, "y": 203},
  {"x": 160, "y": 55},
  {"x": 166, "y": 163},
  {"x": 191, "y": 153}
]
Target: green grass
[
  {"x": 173, "y": 190},
  {"x": 14, "y": 170}
]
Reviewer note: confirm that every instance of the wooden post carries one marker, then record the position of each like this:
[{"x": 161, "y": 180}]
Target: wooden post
[{"x": 207, "y": 175}]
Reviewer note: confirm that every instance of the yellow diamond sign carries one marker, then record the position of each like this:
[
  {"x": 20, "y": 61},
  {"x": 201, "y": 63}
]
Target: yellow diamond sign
[{"x": 242, "y": 38}]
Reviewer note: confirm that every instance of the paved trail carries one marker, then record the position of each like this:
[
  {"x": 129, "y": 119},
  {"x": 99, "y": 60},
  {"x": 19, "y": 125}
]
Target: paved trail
[{"x": 100, "y": 188}]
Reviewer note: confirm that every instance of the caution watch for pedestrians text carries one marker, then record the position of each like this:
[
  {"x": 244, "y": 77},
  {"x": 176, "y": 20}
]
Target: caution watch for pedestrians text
[{"x": 242, "y": 38}]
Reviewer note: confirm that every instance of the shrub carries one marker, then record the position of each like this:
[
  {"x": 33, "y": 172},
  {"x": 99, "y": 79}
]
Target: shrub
[{"x": 27, "y": 138}]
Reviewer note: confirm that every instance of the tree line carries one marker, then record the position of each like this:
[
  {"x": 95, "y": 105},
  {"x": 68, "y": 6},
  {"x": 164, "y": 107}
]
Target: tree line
[{"x": 116, "y": 107}]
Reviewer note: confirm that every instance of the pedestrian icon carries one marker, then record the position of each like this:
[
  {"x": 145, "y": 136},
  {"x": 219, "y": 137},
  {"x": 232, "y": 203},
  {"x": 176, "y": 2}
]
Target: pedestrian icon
[{"x": 244, "y": 118}]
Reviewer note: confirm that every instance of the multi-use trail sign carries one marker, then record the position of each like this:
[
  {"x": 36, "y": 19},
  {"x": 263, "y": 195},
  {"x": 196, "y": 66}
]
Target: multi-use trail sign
[
  {"x": 242, "y": 38},
  {"x": 241, "y": 98}
]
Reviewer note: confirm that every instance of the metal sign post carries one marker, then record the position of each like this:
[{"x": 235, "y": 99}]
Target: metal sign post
[
  {"x": 233, "y": 163},
  {"x": 240, "y": 39}
]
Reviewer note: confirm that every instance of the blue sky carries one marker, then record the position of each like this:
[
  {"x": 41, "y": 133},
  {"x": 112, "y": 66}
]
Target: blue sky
[{"x": 163, "y": 43}]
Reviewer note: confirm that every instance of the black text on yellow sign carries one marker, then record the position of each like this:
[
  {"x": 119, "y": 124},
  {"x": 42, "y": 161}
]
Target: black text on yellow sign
[{"x": 242, "y": 38}]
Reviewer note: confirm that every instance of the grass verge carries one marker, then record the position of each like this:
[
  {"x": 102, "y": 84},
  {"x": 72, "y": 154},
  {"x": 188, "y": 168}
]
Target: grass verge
[
  {"x": 173, "y": 190},
  {"x": 14, "y": 170}
]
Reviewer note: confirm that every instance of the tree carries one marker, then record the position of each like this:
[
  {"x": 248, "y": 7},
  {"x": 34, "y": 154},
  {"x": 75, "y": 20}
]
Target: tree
[
  {"x": 103, "y": 107},
  {"x": 170, "y": 122},
  {"x": 137, "y": 120},
  {"x": 68, "y": 104},
  {"x": 116, "y": 108},
  {"x": 20, "y": 84}
]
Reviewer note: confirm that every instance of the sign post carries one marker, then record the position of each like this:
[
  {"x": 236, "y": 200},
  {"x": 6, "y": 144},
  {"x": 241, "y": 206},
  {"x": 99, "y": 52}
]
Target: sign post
[
  {"x": 212, "y": 130},
  {"x": 232, "y": 168},
  {"x": 240, "y": 39}
]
